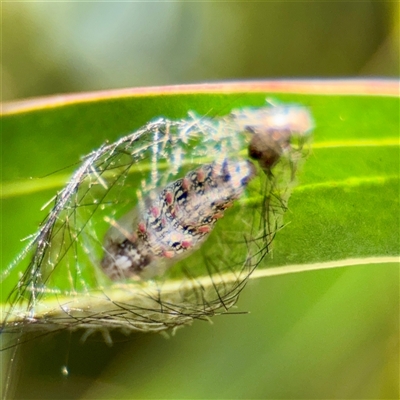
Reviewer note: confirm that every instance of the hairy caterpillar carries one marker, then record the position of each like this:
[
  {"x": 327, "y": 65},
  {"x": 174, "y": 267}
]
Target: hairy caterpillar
[
  {"x": 171, "y": 224},
  {"x": 164, "y": 189}
]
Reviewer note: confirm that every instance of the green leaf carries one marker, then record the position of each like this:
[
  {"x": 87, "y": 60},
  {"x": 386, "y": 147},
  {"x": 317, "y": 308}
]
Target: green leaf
[{"x": 344, "y": 211}]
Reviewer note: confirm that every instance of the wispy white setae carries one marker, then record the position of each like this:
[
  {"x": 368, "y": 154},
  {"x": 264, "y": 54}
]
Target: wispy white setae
[{"x": 144, "y": 232}]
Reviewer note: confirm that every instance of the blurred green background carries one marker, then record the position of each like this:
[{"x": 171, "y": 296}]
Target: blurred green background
[
  {"x": 68, "y": 46},
  {"x": 325, "y": 334}
]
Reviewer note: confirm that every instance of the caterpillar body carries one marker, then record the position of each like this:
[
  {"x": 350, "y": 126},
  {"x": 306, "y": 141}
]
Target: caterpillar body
[
  {"x": 88, "y": 267},
  {"x": 174, "y": 222}
]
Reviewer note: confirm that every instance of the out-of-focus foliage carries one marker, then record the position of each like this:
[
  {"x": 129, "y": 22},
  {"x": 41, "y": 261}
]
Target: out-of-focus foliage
[{"x": 71, "y": 46}]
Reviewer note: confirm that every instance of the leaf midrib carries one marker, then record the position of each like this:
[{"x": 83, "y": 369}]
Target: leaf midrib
[{"x": 22, "y": 187}]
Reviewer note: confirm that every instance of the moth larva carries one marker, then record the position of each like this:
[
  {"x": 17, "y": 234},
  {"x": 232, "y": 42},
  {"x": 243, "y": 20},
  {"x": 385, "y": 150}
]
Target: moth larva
[{"x": 174, "y": 222}]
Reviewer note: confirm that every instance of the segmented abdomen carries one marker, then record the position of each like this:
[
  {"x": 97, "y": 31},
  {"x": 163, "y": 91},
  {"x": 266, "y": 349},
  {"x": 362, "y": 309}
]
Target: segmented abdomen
[{"x": 175, "y": 221}]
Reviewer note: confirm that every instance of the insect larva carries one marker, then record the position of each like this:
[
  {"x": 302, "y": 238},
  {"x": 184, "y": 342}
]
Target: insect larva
[
  {"x": 80, "y": 272},
  {"x": 174, "y": 222},
  {"x": 273, "y": 130}
]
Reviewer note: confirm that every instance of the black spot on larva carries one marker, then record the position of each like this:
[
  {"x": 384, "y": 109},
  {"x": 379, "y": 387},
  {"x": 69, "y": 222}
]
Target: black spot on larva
[{"x": 182, "y": 197}]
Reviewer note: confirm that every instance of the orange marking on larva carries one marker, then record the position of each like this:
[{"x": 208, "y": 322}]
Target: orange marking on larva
[
  {"x": 219, "y": 215},
  {"x": 155, "y": 212},
  {"x": 204, "y": 229},
  {"x": 169, "y": 198},
  {"x": 200, "y": 175},
  {"x": 185, "y": 184},
  {"x": 228, "y": 205},
  {"x": 186, "y": 244},
  {"x": 168, "y": 253},
  {"x": 142, "y": 227}
]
